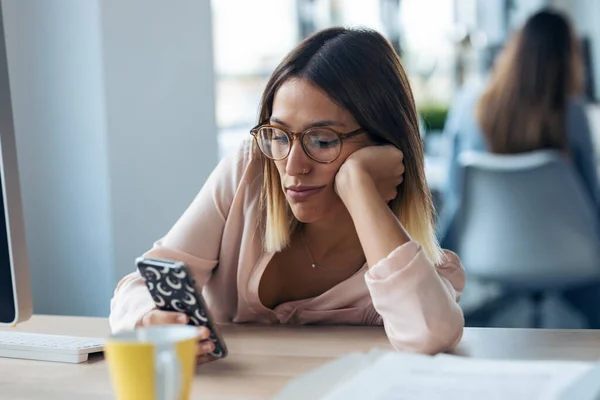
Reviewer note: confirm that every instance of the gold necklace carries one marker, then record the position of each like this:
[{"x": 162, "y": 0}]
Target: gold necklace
[
  {"x": 312, "y": 260},
  {"x": 313, "y": 264}
]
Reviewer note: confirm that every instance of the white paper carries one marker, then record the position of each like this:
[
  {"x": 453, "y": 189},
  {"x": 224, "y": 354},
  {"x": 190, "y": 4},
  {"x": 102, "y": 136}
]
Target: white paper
[
  {"x": 318, "y": 382},
  {"x": 395, "y": 376}
]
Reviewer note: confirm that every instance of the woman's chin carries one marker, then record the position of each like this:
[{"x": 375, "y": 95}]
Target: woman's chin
[
  {"x": 309, "y": 212},
  {"x": 306, "y": 216},
  {"x": 306, "y": 219}
]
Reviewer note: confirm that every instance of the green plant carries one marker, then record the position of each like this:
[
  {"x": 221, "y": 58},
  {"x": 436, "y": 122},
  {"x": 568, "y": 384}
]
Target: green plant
[{"x": 433, "y": 116}]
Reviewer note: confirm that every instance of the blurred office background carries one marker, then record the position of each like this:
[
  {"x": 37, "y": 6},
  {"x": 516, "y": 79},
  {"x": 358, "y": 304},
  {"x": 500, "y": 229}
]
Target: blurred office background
[{"x": 122, "y": 109}]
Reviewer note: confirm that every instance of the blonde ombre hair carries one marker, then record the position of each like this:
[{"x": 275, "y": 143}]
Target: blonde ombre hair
[{"x": 360, "y": 71}]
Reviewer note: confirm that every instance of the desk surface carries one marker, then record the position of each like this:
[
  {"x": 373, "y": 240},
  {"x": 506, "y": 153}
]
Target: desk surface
[{"x": 264, "y": 358}]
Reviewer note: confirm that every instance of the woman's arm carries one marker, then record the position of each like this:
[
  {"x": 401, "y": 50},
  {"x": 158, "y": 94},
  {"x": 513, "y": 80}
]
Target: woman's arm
[
  {"x": 379, "y": 230},
  {"x": 416, "y": 300},
  {"x": 194, "y": 239}
]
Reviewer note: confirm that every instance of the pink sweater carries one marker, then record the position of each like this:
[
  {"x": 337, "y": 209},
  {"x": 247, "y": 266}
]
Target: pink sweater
[{"x": 217, "y": 238}]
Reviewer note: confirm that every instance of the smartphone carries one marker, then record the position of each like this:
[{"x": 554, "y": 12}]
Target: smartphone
[{"x": 173, "y": 289}]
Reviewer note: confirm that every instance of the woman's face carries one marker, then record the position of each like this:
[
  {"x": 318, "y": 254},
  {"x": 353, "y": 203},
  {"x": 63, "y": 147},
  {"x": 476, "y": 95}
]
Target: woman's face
[{"x": 307, "y": 184}]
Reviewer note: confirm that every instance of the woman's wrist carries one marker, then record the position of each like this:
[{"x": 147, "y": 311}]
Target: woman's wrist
[{"x": 353, "y": 184}]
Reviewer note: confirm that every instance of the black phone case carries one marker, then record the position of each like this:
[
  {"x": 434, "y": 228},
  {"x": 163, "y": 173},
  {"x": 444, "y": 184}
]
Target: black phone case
[{"x": 173, "y": 289}]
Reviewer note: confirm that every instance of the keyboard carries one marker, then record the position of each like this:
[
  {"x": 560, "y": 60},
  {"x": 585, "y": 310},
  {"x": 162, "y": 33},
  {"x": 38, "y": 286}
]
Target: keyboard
[{"x": 57, "y": 348}]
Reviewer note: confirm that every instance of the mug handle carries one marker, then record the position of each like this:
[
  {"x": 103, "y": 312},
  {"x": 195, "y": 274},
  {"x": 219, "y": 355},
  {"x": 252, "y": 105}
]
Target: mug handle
[{"x": 168, "y": 372}]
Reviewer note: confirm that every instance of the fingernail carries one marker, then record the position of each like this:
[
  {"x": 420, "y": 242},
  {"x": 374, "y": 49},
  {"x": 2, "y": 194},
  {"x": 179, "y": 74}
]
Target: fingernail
[
  {"x": 208, "y": 347},
  {"x": 203, "y": 332},
  {"x": 182, "y": 319}
]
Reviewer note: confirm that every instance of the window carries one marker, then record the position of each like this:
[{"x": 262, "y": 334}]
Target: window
[{"x": 251, "y": 38}]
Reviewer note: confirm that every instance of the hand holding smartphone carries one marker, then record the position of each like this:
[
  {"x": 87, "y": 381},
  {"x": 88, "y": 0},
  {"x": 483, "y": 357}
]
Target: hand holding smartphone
[{"x": 173, "y": 289}]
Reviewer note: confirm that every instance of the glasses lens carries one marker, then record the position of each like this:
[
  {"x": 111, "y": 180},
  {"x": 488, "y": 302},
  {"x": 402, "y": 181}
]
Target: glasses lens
[
  {"x": 322, "y": 145},
  {"x": 273, "y": 142}
]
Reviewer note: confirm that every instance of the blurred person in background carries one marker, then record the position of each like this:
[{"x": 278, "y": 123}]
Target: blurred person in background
[{"x": 532, "y": 100}]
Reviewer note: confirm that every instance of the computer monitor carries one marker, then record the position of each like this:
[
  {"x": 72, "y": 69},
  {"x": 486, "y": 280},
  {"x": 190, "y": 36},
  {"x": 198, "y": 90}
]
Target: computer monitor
[{"x": 15, "y": 288}]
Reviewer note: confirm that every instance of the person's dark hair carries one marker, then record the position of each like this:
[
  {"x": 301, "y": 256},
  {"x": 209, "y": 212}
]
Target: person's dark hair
[
  {"x": 359, "y": 70},
  {"x": 523, "y": 108}
]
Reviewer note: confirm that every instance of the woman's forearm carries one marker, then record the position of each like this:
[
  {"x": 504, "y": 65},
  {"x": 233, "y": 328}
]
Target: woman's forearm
[{"x": 379, "y": 230}]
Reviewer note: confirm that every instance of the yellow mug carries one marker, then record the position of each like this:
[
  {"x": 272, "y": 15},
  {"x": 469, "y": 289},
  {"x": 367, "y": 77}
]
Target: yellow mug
[{"x": 154, "y": 363}]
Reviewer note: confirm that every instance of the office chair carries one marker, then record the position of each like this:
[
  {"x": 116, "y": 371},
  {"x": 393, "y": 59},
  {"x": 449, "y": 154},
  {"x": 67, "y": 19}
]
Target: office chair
[{"x": 526, "y": 223}]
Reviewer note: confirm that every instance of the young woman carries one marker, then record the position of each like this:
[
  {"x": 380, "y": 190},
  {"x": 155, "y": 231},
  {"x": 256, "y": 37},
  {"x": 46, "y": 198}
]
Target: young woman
[
  {"x": 323, "y": 216},
  {"x": 531, "y": 101}
]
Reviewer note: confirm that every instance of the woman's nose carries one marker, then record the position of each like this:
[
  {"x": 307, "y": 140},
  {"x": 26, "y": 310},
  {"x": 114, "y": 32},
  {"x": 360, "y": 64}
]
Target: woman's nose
[{"x": 297, "y": 161}]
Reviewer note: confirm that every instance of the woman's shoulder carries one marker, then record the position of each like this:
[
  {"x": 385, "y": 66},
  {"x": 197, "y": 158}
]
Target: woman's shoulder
[
  {"x": 576, "y": 120},
  {"x": 576, "y": 108},
  {"x": 236, "y": 165},
  {"x": 238, "y": 159},
  {"x": 470, "y": 92},
  {"x": 461, "y": 118},
  {"x": 238, "y": 171},
  {"x": 577, "y": 101}
]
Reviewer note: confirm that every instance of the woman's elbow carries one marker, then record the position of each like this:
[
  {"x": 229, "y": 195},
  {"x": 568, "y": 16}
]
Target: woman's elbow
[{"x": 436, "y": 336}]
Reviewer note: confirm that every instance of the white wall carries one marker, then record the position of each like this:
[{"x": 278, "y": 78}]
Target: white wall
[
  {"x": 115, "y": 126},
  {"x": 162, "y": 132},
  {"x": 55, "y": 67}
]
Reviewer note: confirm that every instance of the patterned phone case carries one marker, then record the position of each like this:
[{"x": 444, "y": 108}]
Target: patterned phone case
[{"x": 173, "y": 289}]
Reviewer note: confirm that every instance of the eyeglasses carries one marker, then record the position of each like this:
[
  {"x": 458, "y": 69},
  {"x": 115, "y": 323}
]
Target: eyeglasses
[{"x": 321, "y": 144}]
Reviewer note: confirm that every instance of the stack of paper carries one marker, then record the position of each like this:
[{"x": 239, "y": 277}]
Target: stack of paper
[{"x": 386, "y": 375}]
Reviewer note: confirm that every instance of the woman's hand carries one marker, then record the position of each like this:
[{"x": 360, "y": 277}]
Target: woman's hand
[
  {"x": 157, "y": 317},
  {"x": 383, "y": 164}
]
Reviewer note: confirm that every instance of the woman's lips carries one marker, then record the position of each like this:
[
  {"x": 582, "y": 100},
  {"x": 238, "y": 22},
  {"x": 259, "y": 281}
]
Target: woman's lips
[{"x": 302, "y": 193}]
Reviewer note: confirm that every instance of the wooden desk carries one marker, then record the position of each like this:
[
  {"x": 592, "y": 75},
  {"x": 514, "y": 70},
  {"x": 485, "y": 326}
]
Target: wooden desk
[{"x": 264, "y": 358}]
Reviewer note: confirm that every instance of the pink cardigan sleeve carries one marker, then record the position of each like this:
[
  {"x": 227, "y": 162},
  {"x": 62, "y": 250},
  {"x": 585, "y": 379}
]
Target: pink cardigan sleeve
[
  {"x": 194, "y": 239},
  {"x": 417, "y": 301}
]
